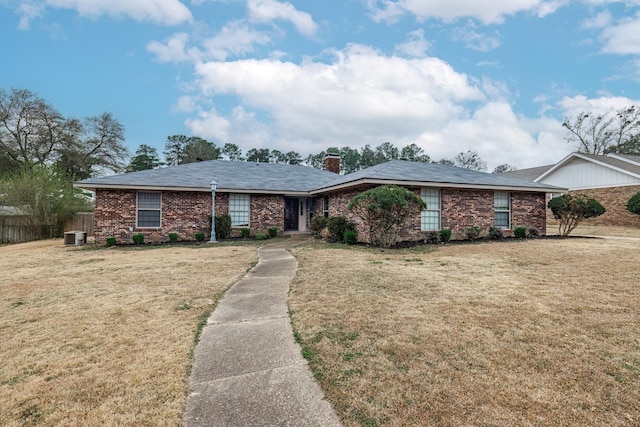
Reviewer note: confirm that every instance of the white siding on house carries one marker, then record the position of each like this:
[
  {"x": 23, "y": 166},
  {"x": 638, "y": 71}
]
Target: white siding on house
[{"x": 580, "y": 174}]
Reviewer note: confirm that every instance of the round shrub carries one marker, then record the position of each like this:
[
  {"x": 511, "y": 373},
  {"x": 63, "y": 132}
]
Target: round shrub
[
  {"x": 200, "y": 236},
  {"x": 350, "y": 237},
  {"x": 261, "y": 236},
  {"x": 138, "y": 239},
  {"x": 445, "y": 234},
  {"x": 520, "y": 232},
  {"x": 633, "y": 204},
  {"x": 111, "y": 241},
  {"x": 318, "y": 223}
]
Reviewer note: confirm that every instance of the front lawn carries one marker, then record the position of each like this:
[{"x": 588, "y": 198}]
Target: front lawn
[{"x": 536, "y": 332}]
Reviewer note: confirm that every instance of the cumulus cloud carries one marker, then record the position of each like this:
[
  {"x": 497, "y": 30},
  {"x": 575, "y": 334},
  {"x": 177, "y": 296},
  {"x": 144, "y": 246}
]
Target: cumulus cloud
[
  {"x": 235, "y": 38},
  {"x": 174, "y": 49},
  {"x": 166, "y": 12},
  {"x": 271, "y": 10},
  {"x": 475, "y": 40},
  {"x": 415, "y": 45},
  {"x": 622, "y": 38},
  {"x": 450, "y": 10},
  {"x": 572, "y": 106}
]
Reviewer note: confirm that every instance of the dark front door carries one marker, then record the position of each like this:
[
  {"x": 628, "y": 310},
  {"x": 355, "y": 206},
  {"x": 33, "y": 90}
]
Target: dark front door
[{"x": 291, "y": 206}]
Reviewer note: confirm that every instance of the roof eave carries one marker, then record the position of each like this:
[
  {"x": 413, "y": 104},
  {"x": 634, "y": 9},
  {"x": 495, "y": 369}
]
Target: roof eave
[{"x": 93, "y": 187}]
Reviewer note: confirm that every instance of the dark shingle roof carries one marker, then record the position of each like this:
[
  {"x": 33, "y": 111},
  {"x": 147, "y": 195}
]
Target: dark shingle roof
[
  {"x": 528, "y": 174},
  {"x": 230, "y": 175},
  {"x": 406, "y": 171},
  {"x": 282, "y": 178}
]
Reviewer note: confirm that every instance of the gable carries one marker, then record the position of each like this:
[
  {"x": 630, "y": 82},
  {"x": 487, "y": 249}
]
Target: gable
[{"x": 579, "y": 173}]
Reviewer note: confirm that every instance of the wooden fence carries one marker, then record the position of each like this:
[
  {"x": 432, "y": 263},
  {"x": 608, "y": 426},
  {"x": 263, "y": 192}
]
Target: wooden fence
[{"x": 14, "y": 229}]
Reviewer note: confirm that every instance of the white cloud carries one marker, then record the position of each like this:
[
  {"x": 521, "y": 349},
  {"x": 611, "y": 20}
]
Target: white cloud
[
  {"x": 475, "y": 40},
  {"x": 415, "y": 46},
  {"x": 28, "y": 12},
  {"x": 235, "y": 38},
  {"x": 166, "y": 12},
  {"x": 174, "y": 49},
  {"x": 601, "y": 20},
  {"x": 271, "y": 10},
  {"x": 488, "y": 12},
  {"x": 622, "y": 38},
  {"x": 572, "y": 106}
]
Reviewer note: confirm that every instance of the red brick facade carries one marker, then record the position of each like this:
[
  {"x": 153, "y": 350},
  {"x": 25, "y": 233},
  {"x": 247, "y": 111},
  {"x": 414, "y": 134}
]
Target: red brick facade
[{"x": 460, "y": 209}]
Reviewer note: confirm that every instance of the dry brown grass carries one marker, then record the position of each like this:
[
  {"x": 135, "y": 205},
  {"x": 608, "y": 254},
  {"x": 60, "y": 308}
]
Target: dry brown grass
[
  {"x": 538, "y": 332},
  {"x": 104, "y": 337}
]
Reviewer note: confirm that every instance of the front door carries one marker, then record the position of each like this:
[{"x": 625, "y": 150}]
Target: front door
[{"x": 291, "y": 206}]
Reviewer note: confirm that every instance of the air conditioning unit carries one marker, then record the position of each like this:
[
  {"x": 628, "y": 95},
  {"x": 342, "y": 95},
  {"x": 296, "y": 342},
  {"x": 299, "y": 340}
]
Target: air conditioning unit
[{"x": 75, "y": 238}]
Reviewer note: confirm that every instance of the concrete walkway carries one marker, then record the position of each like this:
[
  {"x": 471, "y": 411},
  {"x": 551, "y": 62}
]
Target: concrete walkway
[{"x": 248, "y": 371}]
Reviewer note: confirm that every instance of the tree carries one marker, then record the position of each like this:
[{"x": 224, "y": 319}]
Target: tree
[
  {"x": 414, "y": 153},
  {"x": 630, "y": 146},
  {"x": 571, "y": 210},
  {"x": 292, "y": 158},
  {"x": 385, "y": 210},
  {"x": 633, "y": 204},
  {"x": 174, "y": 149},
  {"x": 367, "y": 157},
  {"x": 385, "y": 152},
  {"x": 470, "y": 160},
  {"x": 232, "y": 152},
  {"x": 258, "y": 155},
  {"x": 315, "y": 160},
  {"x": 199, "y": 149},
  {"x": 30, "y": 128},
  {"x": 45, "y": 195},
  {"x": 602, "y": 133},
  {"x": 146, "y": 158},
  {"x": 349, "y": 160},
  {"x": 446, "y": 162},
  {"x": 505, "y": 167}
]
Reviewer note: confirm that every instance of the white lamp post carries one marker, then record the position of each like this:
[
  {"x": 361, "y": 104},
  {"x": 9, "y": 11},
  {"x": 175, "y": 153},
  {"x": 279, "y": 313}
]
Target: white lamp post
[{"x": 214, "y": 186}]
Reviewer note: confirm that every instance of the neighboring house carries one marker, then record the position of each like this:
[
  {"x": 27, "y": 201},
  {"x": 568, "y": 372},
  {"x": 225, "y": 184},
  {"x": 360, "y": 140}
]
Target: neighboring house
[
  {"x": 610, "y": 179},
  {"x": 263, "y": 195}
]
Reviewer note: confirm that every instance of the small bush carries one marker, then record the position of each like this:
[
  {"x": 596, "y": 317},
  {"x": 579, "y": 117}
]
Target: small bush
[
  {"x": 495, "y": 233},
  {"x": 473, "y": 233},
  {"x": 337, "y": 225},
  {"x": 138, "y": 239},
  {"x": 520, "y": 232},
  {"x": 533, "y": 233},
  {"x": 432, "y": 237},
  {"x": 111, "y": 241},
  {"x": 273, "y": 231},
  {"x": 223, "y": 226},
  {"x": 633, "y": 204},
  {"x": 200, "y": 236},
  {"x": 350, "y": 237},
  {"x": 261, "y": 236},
  {"x": 318, "y": 223},
  {"x": 245, "y": 232},
  {"x": 445, "y": 234},
  {"x": 173, "y": 237}
]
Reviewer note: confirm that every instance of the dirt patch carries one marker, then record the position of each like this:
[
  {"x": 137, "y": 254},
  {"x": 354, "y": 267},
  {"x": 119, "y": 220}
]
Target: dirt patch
[
  {"x": 537, "y": 332},
  {"x": 104, "y": 337}
]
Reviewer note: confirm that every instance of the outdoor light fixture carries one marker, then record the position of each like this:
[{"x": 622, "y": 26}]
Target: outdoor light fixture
[{"x": 214, "y": 186}]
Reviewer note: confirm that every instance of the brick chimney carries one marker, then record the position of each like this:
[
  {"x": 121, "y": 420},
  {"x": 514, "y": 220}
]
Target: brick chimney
[{"x": 332, "y": 162}]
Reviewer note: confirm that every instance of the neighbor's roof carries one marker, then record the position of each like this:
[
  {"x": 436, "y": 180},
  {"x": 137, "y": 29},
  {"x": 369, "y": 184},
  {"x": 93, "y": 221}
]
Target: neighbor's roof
[
  {"x": 230, "y": 175},
  {"x": 627, "y": 164},
  {"x": 529, "y": 174},
  {"x": 417, "y": 173},
  {"x": 283, "y": 178}
]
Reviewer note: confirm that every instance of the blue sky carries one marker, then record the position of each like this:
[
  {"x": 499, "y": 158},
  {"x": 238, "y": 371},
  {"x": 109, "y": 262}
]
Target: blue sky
[{"x": 496, "y": 77}]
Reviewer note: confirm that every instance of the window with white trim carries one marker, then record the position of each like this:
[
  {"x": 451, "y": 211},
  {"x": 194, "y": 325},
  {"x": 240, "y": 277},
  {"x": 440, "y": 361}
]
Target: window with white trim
[
  {"x": 430, "y": 217},
  {"x": 502, "y": 209},
  {"x": 325, "y": 206},
  {"x": 148, "y": 209},
  {"x": 239, "y": 210}
]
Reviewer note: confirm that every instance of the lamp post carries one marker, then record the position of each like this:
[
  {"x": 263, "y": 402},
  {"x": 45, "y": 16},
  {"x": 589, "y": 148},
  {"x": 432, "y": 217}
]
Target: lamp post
[{"x": 214, "y": 186}]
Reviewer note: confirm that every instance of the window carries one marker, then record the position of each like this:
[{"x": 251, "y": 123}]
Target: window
[
  {"x": 502, "y": 209},
  {"x": 430, "y": 217},
  {"x": 148, "y": 209},
  {"x": 239, "y": 210},
  {"x": 325, "y": 206}
]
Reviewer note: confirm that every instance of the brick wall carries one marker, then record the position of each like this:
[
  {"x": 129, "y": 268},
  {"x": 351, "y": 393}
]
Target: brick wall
[
  {"x": 460, "y": 209},
  {"x": 185, "y": 213},
  {"x": 614, "y": 200}
]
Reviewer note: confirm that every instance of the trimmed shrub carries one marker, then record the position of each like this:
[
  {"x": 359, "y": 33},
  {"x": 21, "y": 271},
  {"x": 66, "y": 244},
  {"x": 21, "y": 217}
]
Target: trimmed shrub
[
  {"x": 223, "y": 226},
  {"x": 318, "y": 223},
  {"x": 173, "y": 237},
  {"x": 445, "y": 234},
  {"x": 473, "y": 233},
  {"x": 337, "y": 225},
  {"x": 520, "y": 232},
  {"x": 273, "y": 231},
  {"x": 261, "y": 236},
  {"x": 570, "y": 210},
  {"x": 200, "y": 236},
  {"x": 350, "y": 237},
  {"x": 533, "y": 233},
  {"x": 495, "y": 233},
  {"x": 138, "y": 239},
  {"x": 245, "y": 232},
  {"x": 633, "y": 204},
  {"x": 432, "y": 237},
  {"x": 111, "y": 241}
]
